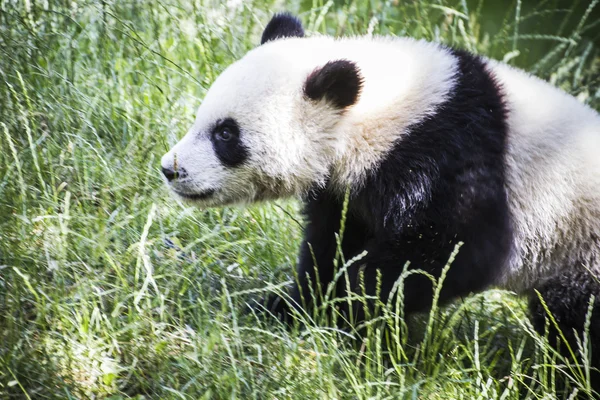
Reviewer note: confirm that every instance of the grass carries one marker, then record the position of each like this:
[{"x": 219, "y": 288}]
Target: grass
[{"x": 111, "y": 289}]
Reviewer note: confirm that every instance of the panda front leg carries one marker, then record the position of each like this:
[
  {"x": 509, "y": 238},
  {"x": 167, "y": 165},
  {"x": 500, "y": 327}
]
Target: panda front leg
[
  {"x": 375, "y": 276},
  {"x": 567, "y": 297},
  {"x": 475, "y": 266},
  {"x": 315, "y": 268}
]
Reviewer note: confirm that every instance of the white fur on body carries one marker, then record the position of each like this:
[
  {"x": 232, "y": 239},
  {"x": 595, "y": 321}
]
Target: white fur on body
[
  {"x": 553, "y": 158},
  {"x": 553, "y": 179}
]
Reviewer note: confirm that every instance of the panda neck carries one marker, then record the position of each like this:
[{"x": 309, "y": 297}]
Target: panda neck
[{"x": 369, "y": 131}]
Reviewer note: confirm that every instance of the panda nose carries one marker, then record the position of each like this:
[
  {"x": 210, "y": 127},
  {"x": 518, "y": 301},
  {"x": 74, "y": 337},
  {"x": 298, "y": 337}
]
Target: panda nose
[{"x": 171, "y": 174}]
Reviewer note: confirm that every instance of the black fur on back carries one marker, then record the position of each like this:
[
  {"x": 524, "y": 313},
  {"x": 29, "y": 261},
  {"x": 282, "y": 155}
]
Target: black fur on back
[
  {"x": 282, "y": 25},
  {"x": 441, "y": 184}
]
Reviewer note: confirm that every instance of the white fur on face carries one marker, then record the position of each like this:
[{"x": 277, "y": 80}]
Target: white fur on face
[
  {"x": 195, "y": 154},
  {"x": 263, "y": 93},
  {"x": 295, "y": 144}
]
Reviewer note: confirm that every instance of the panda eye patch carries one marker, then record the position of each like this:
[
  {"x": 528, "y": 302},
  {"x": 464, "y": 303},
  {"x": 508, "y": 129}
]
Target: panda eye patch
[{"x": 227, "y": 144}]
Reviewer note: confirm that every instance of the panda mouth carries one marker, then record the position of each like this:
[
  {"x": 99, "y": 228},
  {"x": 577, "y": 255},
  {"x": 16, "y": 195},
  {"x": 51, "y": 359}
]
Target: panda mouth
[{"x": 196, "y": 196}]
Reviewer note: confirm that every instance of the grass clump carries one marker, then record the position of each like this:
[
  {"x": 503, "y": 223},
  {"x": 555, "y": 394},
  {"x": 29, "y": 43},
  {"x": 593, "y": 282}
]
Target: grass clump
[{"x": 110, "y": 289}]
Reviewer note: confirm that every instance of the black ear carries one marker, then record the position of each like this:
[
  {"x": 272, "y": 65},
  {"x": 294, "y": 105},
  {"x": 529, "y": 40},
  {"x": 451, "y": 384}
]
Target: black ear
[
  {"x": 338, "y": 82},
  {"x": 282, "y": 25}
]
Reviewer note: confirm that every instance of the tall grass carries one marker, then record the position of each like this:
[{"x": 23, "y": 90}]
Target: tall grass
[{"x": 111, "y": 289}]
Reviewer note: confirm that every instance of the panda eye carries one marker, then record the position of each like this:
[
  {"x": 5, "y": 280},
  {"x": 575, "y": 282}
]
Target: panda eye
[{"x": 224, "y": 134}]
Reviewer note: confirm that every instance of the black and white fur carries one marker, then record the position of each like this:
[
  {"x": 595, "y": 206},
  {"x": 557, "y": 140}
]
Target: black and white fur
[{"x": 437, "y": 146}]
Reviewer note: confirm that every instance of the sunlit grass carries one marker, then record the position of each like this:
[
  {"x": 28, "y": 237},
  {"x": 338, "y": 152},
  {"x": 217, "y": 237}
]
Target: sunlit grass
[{"x": 109, "y": 287}]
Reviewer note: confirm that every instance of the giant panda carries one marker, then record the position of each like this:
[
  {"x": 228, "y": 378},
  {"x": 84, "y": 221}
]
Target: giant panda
[{"x": 433, "y": 147}]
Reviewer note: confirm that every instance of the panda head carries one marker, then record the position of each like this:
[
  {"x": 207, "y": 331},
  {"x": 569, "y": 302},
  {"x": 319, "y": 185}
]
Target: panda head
[{"x": 269, "y": 127}]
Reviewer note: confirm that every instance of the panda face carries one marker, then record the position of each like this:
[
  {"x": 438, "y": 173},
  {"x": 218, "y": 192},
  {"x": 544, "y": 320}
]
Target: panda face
[
  {"x": 267, "y": 128},
  {"x": 197, "y": 168},
  {"x": 242, "y": 144},
  {"x": 300, "y": 113}
]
